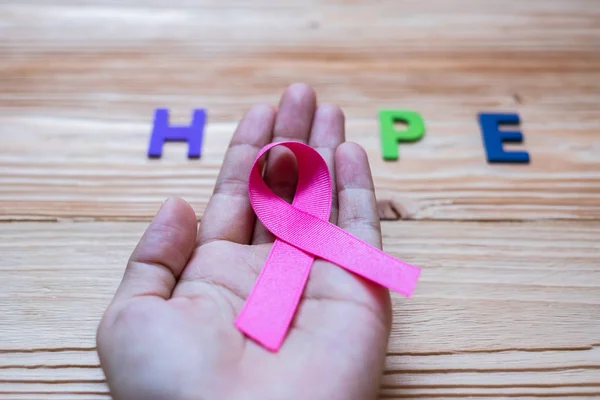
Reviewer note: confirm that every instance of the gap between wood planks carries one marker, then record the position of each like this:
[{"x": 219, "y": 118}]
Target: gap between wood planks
[
  {"x": 114, "y": 218},
  {"x": 24, "y": 379}
]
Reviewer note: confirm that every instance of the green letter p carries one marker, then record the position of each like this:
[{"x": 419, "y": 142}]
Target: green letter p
[{"x": 390, "y": 136}]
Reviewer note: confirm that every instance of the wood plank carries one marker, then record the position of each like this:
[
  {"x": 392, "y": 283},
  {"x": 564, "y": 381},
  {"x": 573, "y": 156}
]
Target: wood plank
[
  {"x": 62, "y": 59},
  {"x": 508, "y": 373},
  {"x": 103, "y": 172},
  {"x": 55, "y": 395},
  {"x": 88, "y": 390},
  {"x": 503, "y": 361},
  {"x": 52, "y": 358},
  {"x": 445, "y": 376},
  {"x": 480, "y": 290},
  {"x": 505, "y": 373},
  {"x": 574, "y": 393},
  {"x": 95, "y": 90}
]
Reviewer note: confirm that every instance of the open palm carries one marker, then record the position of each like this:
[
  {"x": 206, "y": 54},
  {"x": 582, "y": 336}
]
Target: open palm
[{"x": 169, "y": 332}]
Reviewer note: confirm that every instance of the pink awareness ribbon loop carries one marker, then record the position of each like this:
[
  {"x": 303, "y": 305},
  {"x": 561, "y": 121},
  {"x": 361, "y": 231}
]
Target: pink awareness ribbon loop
[{"x": 303, "y": 232}]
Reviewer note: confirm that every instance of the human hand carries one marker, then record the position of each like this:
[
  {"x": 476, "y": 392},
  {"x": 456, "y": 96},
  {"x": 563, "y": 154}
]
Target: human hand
[{"x": 169, "y": 332}]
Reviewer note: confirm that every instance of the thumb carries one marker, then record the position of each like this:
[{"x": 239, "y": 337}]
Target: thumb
[{"x": 161, "y": 254}]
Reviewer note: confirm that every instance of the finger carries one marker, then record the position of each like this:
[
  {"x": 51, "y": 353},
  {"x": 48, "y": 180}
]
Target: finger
[
  {"x": 161, "y": 254},
  {"x": 358, "y": 215},
  {"x": 294, "y": 120},
  {"x": 328, "y": 132},
  {"x": 229, "y": 215},
  {"x": 356, "y": 193},
  {"x": 358, "y": 210},
  {"x": 347, "y": 294}
]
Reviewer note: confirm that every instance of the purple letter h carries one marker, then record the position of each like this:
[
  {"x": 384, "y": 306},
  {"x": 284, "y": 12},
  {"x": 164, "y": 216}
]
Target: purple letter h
[{"x": 163, "y": 132}]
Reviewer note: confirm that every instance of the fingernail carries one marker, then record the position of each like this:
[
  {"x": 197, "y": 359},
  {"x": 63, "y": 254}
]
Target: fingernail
[{"x": 164, "y": 203}]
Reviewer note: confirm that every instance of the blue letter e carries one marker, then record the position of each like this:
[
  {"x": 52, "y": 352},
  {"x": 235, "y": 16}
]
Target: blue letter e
[{"x": 493, "y": 138}]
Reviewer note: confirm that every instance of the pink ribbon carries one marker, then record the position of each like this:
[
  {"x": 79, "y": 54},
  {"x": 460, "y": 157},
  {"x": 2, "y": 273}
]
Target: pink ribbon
[{"x": 303, "y": 232}]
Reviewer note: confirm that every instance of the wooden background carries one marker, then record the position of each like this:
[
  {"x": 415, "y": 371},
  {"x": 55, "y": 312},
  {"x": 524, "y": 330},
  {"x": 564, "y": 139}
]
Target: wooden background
[{"x": 509, "y": 301}]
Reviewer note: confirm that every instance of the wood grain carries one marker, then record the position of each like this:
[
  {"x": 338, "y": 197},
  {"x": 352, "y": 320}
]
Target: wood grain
[
  {"x": 77, "y": 103},
  {"x": 72, "y": 168},
  {"x": 509, "y": 302},
  {"x": 483, "y": 321},
  {"x": 117, "y": 60}
]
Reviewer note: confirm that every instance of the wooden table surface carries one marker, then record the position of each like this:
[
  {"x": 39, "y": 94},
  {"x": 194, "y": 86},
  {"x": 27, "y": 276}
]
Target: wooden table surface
[{"x": 509, "y": 300}]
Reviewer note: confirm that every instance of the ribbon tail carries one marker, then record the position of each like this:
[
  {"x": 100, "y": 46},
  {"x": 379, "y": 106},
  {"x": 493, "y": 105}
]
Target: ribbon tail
[{"x": 270, "y": 308}]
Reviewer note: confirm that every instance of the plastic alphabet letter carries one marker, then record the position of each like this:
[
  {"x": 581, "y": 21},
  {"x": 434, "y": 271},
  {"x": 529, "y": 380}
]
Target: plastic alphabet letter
[
  {"x": 493, "y": 138},
  {"x": 390, "y": 136},
  {"x": 163, "y": 132}
]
